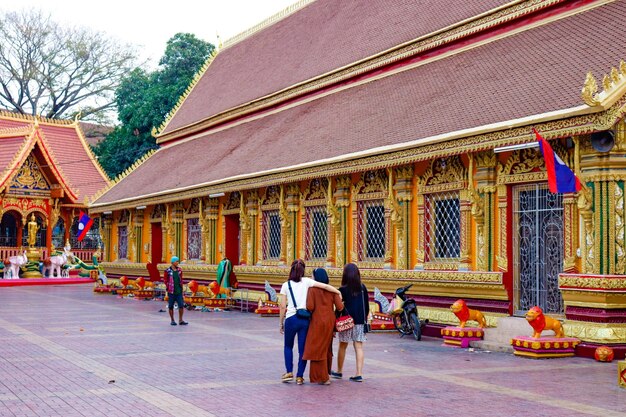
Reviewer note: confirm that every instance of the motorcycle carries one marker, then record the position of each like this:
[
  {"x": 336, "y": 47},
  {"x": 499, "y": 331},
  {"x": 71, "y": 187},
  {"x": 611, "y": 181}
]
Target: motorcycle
[{"x": 404, "y": 314}]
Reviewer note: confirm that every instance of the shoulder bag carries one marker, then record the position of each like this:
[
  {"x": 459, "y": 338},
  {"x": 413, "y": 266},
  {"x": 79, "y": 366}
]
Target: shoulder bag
[
  {"x": 303, "y": 313},
  {"x": 344, "y": 322}
]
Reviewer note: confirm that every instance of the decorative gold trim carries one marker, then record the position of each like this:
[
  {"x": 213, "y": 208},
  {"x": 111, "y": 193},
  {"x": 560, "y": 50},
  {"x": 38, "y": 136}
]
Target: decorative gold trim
[
  {"x": 197, "y": 76},
  {"x": 560, "y": 128},
  {"x": 596, "y": 332},
  {"x": 120, "y": 177},
  {"x": 600, "y": 283},
  {"x": 266, "y": 23}
]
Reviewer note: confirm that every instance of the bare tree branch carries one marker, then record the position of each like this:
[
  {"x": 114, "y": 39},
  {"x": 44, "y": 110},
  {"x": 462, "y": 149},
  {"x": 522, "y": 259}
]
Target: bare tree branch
[{"x": 57, "y": 71}]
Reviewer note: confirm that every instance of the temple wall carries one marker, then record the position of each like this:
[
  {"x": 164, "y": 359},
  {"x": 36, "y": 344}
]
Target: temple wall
[{"x": 479, "y": 264}]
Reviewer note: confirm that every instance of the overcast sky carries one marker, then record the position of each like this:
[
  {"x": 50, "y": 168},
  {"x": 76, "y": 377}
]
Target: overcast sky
[{"x": 149, "y": 24}]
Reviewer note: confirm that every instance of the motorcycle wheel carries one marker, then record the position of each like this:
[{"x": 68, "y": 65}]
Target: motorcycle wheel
[
  {"x": 400, "y": 324},
  {"x": 417, "y": 329}
]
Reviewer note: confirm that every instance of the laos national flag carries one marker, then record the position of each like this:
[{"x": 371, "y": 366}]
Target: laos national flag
[
  {"x": 84, "y": 223},
  {"x": 561, "y": 179}
]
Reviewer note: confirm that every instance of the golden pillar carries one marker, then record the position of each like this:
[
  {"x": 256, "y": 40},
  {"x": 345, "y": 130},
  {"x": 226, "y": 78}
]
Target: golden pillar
[
  {"x": 292, "y": 203},
  {"x": 342, "y": 201}
]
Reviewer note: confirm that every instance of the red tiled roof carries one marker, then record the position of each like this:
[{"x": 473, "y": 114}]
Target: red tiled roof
[
  {"x": 10, "y": 145},
  {"x": 533, "y": 72},
  {"x": 68, "y": 150},
  {"x": 321, "y": 37}
]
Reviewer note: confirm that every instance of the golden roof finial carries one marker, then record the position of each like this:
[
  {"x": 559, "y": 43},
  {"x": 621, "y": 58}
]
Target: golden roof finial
[
  {"x": 78, "y": 116},
  {"x": 219, "y": 41},
  {"x": 590, "y": 88}
]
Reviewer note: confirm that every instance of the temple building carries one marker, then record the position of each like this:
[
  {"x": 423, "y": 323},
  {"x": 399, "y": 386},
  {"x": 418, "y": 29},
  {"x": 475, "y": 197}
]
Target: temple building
[
  {"x": 49, "y": 175},
  {"x": 399, "y": 137}
]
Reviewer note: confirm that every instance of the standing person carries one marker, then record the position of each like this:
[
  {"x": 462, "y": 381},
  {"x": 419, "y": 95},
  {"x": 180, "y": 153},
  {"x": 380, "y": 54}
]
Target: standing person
[
  {"x": 173, "y": 278},
  {"x": 294, "y": 296},
  {"x": 319, "y": 340},
  {"x": 356, "y": 302}
]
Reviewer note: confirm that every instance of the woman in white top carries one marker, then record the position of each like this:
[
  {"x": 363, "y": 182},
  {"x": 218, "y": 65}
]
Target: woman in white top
[{"x": 293, "y": 296}]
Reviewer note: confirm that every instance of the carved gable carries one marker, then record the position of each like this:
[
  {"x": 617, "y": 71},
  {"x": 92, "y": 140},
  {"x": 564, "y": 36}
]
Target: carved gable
[{"x": 29, "y": 179}]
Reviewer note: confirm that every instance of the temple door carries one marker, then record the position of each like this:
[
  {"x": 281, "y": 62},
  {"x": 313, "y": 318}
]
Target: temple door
[
  {"x": 231, "y": 240},
  {"x": 538, "y": 248},
  {"x": 157, "y": 243}
]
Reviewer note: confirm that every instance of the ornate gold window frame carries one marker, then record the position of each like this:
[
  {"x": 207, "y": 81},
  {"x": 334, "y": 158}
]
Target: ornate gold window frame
[
  {"x": 449, "y": 176},
  {"x": 314, "y": 198},
  {"x": 270, "y": 204},
  {"x": 371, "y": 187},
  {"x": 191, "y": 212},
  {"x": 124, "y": 220}
]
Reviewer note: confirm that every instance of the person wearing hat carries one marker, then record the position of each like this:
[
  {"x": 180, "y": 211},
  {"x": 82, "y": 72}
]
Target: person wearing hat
[{"x": 173, "y": 278}]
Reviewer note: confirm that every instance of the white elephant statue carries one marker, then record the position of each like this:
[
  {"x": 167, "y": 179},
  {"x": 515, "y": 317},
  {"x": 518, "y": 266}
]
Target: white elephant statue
[
  {"x": 54, "y": 265},
  {"x": 13, "y": 264}
]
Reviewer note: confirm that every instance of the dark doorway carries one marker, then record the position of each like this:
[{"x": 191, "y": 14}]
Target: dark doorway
[
  {"x": 231, "y": 238},
  {"x": 157, "y": 243}
]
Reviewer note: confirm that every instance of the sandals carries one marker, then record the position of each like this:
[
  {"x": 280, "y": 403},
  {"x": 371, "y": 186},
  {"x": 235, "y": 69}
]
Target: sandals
[
  {"x": 357, "y": 378},
  {"x": 336, "y": 375},
  {"x": 173, "y": 323},
  {"x": 327, "y": 382},
  {"x": 288, "y": 377},
  {"x": 183, "y": 323},
  {"x": 299, "y": 380}
]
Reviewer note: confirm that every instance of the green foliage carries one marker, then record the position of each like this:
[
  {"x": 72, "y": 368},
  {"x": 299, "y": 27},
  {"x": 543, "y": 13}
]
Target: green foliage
[{"x": 144, "y": 99}]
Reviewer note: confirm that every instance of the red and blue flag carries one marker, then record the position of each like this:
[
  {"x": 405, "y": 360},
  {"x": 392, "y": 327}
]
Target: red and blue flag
[
  {"x": 84, "y": 224},
  {"x": 561, "y": 179}
]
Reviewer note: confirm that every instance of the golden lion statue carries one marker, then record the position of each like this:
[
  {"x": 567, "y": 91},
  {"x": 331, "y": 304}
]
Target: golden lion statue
[
  {"x": 142, "y": 284},
  {"x": 539, "y": 323},
  {"x": 464, "y": 314},
  {"x": 195, "y": 288}
]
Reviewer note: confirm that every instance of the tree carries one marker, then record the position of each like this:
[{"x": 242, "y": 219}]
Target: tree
[
  {"x": 144, "y": 99},
  {"x": 57, "y": 72}
]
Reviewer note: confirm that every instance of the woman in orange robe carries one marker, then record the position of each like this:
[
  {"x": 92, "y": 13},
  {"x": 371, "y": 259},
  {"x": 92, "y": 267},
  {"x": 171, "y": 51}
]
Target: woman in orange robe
[{"x": 319, "y": 341}]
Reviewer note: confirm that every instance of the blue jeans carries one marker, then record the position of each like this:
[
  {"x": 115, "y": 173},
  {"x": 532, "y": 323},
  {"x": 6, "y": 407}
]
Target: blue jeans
[{"x": 295, "y": 325}]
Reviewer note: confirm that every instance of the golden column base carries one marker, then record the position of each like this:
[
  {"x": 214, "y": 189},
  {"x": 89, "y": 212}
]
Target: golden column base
[{"x": 31, "y": 269}]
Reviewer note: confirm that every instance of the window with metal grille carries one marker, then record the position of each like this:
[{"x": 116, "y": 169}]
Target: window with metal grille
[
  {"x": 122, "y": 242},
  {"x": 58, "y": 233},
  {"x": 8, "y": 230},
  {"x": 443, "y": 226},
  {"x": 316, "y": 233},
  {"x": 194, "y": 239},
  {"x": 271, "y": 235},
  {"x": 371, "y": 230}
]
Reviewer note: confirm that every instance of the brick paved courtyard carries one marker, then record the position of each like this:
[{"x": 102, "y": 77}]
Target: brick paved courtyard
[{"x": 68, "y": 352}]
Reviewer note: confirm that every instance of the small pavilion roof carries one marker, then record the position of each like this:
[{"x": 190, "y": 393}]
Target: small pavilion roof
[{"x": 62, "y": 144}]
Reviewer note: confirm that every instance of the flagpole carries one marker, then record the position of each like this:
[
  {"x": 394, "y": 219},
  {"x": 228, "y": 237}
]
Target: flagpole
[{"x": 576, "y": 141}]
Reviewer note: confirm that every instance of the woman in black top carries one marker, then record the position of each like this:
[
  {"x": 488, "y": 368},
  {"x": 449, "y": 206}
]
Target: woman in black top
[{"x": 356, "y": 301}]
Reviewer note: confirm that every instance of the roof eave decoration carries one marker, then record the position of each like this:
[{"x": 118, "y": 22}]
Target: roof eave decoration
[
  {"x": 168, "y": 118},
  {"x": 611, "y": 100},
  {"x": 267, "y": 22},
  {"x": 123, "y": 175},
  {"x": 35, "y": 119},
  {"x": 613, "y": 87}
]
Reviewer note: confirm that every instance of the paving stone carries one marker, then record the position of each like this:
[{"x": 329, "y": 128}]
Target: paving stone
[{"x": 69, "y": 352}]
